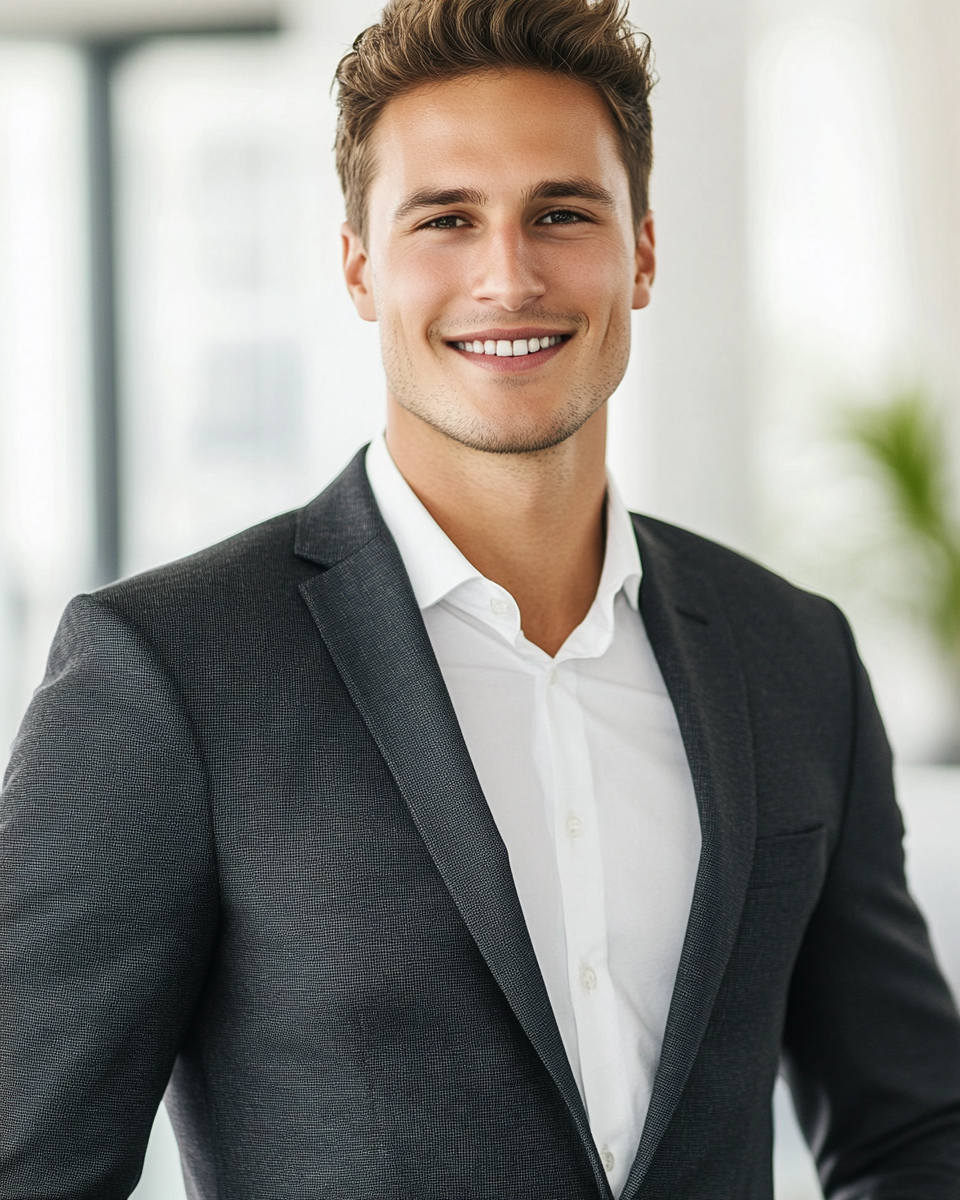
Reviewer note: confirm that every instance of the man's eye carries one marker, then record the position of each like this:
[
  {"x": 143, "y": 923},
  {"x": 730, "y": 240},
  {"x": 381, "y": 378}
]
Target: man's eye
[
  {"x": 450, "y": 221},
  {"x": 562, "y": 216}
]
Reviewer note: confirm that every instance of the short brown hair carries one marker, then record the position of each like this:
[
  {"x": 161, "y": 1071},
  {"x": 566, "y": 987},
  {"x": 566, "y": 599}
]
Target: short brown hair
[{"x": 427, "y": 41}]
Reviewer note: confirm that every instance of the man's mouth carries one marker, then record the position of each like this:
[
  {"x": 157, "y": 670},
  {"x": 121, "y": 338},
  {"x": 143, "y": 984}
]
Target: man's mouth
[{"x": 515, "y": 348}]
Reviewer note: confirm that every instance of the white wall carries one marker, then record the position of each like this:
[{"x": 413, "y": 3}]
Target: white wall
[{"x": 694, "y": 372}]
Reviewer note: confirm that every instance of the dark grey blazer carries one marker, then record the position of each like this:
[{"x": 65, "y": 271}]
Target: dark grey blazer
[{"x": 243, "y": 842}]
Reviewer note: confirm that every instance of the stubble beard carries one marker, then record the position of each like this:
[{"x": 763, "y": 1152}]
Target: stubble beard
[{"x": 443, "y": 409}]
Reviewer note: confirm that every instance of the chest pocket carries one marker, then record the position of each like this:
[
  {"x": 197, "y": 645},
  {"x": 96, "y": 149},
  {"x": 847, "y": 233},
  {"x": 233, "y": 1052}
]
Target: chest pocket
[{"x": 788, "y": 858}]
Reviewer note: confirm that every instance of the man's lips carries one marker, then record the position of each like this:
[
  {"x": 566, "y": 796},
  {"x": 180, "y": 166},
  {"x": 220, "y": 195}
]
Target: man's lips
[{"x": 510, "y": 349}]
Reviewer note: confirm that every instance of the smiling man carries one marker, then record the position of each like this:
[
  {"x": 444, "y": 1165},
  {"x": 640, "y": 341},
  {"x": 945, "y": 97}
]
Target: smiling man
[
  {"x": 499, "y": 249},
  {"x": 462, "y": 836}
]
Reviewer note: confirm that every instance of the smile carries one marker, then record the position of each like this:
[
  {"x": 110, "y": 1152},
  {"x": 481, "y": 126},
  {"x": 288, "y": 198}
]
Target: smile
[{"x": 509, "y": 349}]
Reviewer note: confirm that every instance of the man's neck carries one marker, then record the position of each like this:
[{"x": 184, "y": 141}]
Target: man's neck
[{"x": 533, "y": 523}]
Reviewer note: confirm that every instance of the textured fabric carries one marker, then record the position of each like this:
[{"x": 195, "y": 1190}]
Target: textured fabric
[
  {"x": 580, "y": 759},
  {"x": 242, "y": 839}
]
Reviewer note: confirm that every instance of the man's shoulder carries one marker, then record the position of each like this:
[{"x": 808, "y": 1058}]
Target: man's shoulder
[
  {"x": 220, "y": 597},
  {"x": 752, "y": 595},
  {"x": 259, "y": 564},
  {"x": 263, "y": 551}
]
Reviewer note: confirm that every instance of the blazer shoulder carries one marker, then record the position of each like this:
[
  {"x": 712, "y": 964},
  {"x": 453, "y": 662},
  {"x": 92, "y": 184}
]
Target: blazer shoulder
[
  {"x": 753, "y": 595},
  {"x": 248, "y": 571},
  {"x": 277, "y": 554}
]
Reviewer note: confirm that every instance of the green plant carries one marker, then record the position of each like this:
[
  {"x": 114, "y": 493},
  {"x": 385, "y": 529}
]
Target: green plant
[{"x": 905, "y": 442}]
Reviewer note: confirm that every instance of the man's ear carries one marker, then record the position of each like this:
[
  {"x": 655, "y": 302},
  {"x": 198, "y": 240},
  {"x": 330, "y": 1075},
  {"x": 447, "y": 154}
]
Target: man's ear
[
  {"x": 357, "y": 273},
  {"x": 646, "y": 262}
]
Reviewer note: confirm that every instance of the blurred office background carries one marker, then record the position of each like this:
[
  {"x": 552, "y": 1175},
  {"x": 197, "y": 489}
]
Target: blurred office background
[{"x": 178, "y": 357}]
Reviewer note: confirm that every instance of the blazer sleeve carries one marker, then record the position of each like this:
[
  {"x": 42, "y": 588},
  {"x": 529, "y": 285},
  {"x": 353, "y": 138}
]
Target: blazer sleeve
[
  {"x": 872, "y": 1037},
  {"x": 108, "y": 911}
]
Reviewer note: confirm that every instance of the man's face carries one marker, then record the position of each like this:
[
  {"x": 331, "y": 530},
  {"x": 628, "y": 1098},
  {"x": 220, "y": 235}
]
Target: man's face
[{"x": 499, "y": 216}]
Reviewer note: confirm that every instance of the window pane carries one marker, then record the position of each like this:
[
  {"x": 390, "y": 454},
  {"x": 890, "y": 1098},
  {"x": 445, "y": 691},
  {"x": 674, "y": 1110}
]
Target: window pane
[{"x": 247, "y": 380}]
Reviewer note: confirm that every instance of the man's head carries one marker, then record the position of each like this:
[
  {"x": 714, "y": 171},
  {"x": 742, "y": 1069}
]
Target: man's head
[
  {"x": 495, "y": 157},
  {"x": 426, "y": 41}
]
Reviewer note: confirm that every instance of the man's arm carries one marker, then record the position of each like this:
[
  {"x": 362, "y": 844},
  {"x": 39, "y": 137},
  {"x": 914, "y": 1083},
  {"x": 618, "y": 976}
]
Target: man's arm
[
  {"x": 108, "y": 901},
  {"x": 872, "y": 1038}
]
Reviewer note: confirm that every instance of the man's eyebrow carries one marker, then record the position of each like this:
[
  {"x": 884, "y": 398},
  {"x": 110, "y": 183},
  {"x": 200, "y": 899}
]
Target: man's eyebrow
[
  {"x": 438, "y": 198},
  {"x": 577, "y": 188}
]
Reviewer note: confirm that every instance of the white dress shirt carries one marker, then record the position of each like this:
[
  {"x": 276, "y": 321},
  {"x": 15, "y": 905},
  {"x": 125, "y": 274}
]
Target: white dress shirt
[{"x": 580, "y": 760}]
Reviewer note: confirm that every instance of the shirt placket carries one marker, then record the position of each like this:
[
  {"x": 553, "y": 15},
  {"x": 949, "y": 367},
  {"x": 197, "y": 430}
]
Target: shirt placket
[{"x": 570, "y": 789}]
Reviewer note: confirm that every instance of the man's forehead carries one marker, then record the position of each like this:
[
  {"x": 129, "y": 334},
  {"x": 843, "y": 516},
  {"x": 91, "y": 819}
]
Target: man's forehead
[{"x": 518, "y": 131}]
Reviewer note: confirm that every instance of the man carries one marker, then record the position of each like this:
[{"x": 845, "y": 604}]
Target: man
[{"x": 433, "y": 852}]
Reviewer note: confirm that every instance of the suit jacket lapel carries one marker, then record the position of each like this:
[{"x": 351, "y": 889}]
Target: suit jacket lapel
[
  {"x": 694, "y": 646},
  {"x": 366, "y": 612}
]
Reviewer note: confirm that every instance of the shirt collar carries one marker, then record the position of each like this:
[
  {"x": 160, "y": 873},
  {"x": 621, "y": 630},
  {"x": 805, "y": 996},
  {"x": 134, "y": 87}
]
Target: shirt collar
[
  {"x": 434, "y": 564},
  {"x": 436, "y": 567}
]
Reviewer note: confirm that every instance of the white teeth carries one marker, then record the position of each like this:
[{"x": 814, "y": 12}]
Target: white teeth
[{"x": 505, "y": 349}]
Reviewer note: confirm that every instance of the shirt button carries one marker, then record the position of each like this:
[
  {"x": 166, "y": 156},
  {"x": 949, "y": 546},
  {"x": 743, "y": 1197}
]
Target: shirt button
[
  {"x": 588, "y": 978},
  {"x": 574, "y": 827},
  {"x": 606, "y": 1157},
  {"x": 499, "y": 605}
]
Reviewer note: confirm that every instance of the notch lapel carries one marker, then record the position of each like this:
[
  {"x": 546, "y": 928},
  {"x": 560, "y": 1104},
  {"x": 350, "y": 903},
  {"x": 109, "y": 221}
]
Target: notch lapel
[
  {"x": 366, "y": 612},
  {"x": 694, "y": 646}
]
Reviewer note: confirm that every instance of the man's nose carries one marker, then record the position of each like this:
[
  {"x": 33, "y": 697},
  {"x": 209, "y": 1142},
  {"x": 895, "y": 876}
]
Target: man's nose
[{"x": 506, "y": 271}]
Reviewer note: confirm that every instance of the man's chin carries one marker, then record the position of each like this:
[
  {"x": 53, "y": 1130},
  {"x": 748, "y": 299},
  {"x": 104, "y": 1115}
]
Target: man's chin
[
  {"x": 509, "y": 437},
  {"x": 509, "y": 432}
]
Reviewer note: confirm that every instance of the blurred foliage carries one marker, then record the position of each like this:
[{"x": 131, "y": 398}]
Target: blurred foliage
[{"x": 905, "y": 442}]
